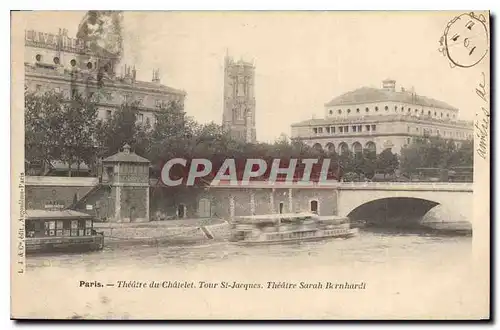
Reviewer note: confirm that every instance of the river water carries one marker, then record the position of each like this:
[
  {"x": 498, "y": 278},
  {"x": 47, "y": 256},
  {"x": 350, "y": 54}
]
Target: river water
[{"x": 397, "y": 267}]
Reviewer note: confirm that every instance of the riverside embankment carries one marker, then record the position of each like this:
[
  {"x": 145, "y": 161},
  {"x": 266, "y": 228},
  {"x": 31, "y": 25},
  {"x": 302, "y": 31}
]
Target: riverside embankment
[{"x": 186, "y": 231}]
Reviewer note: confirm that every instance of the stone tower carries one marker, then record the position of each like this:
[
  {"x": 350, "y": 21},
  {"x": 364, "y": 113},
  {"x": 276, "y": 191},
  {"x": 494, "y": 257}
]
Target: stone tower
[{"x": 239, "y": 99}]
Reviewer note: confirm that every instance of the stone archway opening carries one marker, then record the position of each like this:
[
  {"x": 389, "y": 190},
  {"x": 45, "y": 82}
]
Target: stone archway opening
[
  {"x": 357, "y": 148},
  {"x": 393, "y": 212},
  {"x": 330, "y": 148},
  {"x": 343, "y": 148},
  {"x": 318, "y": 147},
  {"x": 371, "y": 146}
]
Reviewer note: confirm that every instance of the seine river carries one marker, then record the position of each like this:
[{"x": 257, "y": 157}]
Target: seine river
[
  {"x": 370, "y": 247},
  {"x": 390, "y": 263}
]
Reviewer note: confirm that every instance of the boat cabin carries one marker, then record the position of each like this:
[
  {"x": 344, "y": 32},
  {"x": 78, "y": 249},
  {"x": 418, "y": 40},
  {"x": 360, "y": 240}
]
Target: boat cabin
[{"x": 62, "y": 223}]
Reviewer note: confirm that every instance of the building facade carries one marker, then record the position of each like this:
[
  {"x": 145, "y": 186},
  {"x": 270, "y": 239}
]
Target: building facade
[
  {"x": 239, "y": 99},
  {"x": 60, "y": 63},
  {"x": 379, "y": 119}
]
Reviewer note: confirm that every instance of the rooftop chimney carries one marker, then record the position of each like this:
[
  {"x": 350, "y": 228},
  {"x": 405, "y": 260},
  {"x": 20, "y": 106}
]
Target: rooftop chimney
[
  {"x": 156, "y": 76},
  {"x": 389, "y": 85},
  {"x": 134, "y": 74}
]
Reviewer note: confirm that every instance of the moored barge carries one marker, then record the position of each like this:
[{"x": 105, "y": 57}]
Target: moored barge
[{"x": 61, "y": 231}]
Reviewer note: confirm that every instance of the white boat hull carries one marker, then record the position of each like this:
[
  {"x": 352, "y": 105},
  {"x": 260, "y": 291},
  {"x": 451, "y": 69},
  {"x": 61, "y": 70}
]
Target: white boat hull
[{"x": 295, "y": 237}]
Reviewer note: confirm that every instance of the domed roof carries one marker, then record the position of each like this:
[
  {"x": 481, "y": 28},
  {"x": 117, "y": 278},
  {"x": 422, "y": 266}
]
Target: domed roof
[{"x": 373, "y": 95}]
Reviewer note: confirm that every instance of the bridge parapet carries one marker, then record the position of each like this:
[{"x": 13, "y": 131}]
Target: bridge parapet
[{"x": 408, "y": 186}]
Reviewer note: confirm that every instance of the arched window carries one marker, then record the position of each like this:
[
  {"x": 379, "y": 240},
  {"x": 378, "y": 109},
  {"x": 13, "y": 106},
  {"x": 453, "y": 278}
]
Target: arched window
[
  {"x": 429, "y": 113},
  {"x": 357, "y": 147},
  {"x": 343, "y": 148},
  {"x": 72, "y": 62},
  {"x": 89, "y": 65},
  {"x": 318, "y": 147},
  {"x": 348, "y": 110},
  {"x": 38, "y": 57},
  {"x": 367, "y": 110},
  {"x": 376, "y": 108},
  {"x": 339, "y": 111},
  {"x": 370, "y": 145},
  {"x": 330, "y": 148},
  {"x": 331, "y": 112},
  {"x": 395, "y": 108},
  {"x": 386, "y": 108},
  {"x": 357, "y": 110},
  {"x": 56, "y": 60}
]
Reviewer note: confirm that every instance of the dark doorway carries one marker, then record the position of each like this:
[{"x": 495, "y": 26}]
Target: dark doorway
[
  {"x": 282, "y": 205},
  {"x": 132, "y": 214},
  {"x": 314, "y": 206}
]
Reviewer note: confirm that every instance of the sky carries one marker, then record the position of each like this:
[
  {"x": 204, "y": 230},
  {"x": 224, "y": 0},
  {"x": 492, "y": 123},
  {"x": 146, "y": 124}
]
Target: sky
[{"x": 302, "y": 59}]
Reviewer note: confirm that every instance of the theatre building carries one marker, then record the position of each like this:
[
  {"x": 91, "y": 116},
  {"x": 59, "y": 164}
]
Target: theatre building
[{"x": 379, "y": 119}]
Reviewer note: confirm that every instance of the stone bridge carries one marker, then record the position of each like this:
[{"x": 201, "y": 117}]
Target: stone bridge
[{"x": 403, "y": 201}]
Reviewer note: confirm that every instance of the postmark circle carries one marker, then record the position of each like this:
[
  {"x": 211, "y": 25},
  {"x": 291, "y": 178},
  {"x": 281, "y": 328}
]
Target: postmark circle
[{"x": 466, "y": 40}]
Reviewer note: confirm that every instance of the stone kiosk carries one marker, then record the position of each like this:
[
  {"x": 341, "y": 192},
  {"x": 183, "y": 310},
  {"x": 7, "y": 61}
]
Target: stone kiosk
[{"x": 127, "y": 174}]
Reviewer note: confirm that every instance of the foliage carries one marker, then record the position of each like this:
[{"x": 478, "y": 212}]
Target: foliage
[
  {"x": 42, "y": 126},
  {"x": 435, "y": 152}
]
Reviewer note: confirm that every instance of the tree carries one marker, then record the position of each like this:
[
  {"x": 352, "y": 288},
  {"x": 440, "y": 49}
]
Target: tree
[
  {"x": 42, "y": 126},
  {"x": 78, "y": 131},
  {"x": 120, "y": 129},
  {"x": 435, "y": 152},
  {"x": 387, "y": 162}
]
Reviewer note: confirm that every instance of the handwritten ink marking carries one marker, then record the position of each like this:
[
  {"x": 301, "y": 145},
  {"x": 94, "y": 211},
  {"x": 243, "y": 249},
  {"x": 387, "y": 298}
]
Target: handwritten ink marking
[
  {"x": 465, "y": 40},
  {"x": 482, "y": 123}
]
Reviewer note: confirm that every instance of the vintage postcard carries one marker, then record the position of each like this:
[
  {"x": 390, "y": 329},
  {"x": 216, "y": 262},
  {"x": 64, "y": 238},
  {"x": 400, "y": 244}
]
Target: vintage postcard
[{"x": 250, "y": 165}]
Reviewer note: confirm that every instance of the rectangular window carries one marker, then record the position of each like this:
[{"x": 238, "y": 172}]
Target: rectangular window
[
  {"x": 368, "y": 128},
  {"x": 315, "y": 130},
  {"x": 158, "y": 103},
  {"x": 38, "y": 88},
  {"x": 333, "y": 129},
  {"x": 140, "y": 117},
  {"x": 346, "y": 129},
  {"x": 74, "y": 92},
  {"x": 341, "y": 129},
  {"x": 320, "y": 129},
  {"x": 354, "y": 129},
  {"x": 374, "y": 128},
  {"x": 57, "y": 90},
  {"x": 327, "y": 129},
  {"x": 360, "y": 128},
  {"x": 108, "y": 114}
]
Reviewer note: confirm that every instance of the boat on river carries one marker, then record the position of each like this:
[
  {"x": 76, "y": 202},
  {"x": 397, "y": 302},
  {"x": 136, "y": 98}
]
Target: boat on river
[
  {"x": 287, "y": 228},
  {"x": 61, "y": 231}
]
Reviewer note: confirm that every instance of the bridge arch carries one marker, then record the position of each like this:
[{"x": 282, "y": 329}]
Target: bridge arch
[{"x": 393, "y": 211}]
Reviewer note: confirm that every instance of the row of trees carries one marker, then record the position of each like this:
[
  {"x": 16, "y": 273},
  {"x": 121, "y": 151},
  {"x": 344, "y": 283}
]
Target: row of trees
[
  {"x": 69, "y": 130},
  {"x": 435, "y": 152}
]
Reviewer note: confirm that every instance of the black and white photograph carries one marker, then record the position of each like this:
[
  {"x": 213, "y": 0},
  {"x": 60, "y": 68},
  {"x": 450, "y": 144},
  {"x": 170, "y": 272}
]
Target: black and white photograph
[{"x": 248, "y": 165}]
